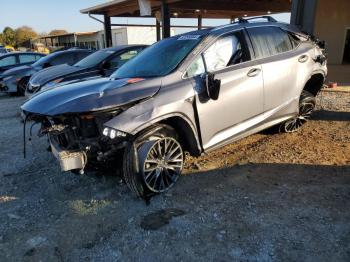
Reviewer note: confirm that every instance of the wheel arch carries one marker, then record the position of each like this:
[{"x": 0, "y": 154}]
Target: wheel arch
[
  {"x": 314, "y": 83},
  {"x": 184, "y": 128}
]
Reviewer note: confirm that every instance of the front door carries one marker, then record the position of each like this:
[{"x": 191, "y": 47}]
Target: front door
[{"x": 240, "y": 99}]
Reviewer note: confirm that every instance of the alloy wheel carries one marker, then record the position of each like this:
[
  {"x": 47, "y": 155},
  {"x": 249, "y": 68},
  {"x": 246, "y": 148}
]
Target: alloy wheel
[
  {"x": 161, "y": 163},
  {"x": 305, "y": 110}
]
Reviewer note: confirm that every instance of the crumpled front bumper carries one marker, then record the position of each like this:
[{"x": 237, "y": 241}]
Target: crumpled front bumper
[{"x": 69, "y": 160}]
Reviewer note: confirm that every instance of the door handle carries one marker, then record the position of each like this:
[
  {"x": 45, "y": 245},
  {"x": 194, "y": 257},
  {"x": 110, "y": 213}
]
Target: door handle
[
  {"x": 303, "y": 58},
  {"x": 254, "y": 72}
]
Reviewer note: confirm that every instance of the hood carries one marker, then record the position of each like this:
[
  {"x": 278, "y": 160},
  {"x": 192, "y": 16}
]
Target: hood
[
  {"x": 17, "y": 70},
  {"x": 92, "y": 95},
  {"x": 49, "y": 74}
]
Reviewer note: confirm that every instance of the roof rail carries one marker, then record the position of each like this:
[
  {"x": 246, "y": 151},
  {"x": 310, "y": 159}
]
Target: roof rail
[
  {"x": 242, "y": 20},
  {"x": 246, "y": 20}
]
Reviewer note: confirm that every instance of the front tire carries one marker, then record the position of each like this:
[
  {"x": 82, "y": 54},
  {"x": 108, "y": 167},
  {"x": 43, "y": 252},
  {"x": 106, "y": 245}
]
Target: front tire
[
  {"x": 153, "y": 162},
  {"x": 22, "y": 86},
  {"x": 307, "y": 105}
]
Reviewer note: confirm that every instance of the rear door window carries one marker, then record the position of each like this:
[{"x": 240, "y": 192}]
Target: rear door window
[
  {"x": 8, "y": 61},
  {"x": 269, "y": 41},
  {"x": 27, "y": 58}
]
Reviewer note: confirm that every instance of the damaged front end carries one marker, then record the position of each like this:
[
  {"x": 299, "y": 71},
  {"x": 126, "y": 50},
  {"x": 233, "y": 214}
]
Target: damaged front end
[
  {"x": 73, "y": 119},
  {"x": 80, "y": 141}
]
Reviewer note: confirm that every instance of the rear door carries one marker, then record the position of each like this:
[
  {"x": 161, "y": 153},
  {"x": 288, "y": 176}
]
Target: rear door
[
  {"x": 241, "y": 93},
  {"x": 274, "y": 51}
]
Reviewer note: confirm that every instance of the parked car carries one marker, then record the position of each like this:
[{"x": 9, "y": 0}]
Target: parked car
[
  {"x": 101, "y": 63},
  {"x": 194, "y": 92},
  {"x": 3, "y": 50},
  {"x": 15, "y": 80},
  {"x": 11, "y": 60}
]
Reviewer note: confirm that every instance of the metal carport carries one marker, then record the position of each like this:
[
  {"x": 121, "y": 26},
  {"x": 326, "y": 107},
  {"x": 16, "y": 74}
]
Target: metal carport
[{"x": 164, "y": 10}]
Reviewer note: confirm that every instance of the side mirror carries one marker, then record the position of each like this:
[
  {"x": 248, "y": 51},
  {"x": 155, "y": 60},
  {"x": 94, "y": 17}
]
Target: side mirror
[
  {"x": 212, "y": 86},
  {"x": 46, "y": 65}
]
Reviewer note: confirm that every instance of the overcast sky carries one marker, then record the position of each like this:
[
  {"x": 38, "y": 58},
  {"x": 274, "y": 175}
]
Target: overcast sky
[{"x": 46, "y": 15}]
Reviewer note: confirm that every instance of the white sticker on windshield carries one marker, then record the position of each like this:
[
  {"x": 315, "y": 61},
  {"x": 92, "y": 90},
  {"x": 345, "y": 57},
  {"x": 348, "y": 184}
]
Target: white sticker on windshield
[{"x": 189, "y": 37}]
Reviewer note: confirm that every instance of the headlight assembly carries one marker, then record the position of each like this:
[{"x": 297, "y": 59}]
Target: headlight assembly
[{"x": 113, "y": 133}]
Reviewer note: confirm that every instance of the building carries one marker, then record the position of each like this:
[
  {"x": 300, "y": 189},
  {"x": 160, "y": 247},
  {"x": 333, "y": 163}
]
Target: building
[
  {"x": 329, "y": 21},
  {"x": 96, "y": 39}
]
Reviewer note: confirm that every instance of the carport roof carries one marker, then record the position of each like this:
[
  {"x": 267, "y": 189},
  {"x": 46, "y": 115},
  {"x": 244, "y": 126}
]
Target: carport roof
[{"x": 191, "y": 9}]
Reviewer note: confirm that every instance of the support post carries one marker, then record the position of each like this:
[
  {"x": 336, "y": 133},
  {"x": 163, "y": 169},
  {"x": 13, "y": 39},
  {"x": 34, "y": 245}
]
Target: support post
[
  {"x": 108, "y": 30},
  {"x": 165, "y": 20},
  {"x": 158, "y": 30},
  {"x": 199, "y": 22}
]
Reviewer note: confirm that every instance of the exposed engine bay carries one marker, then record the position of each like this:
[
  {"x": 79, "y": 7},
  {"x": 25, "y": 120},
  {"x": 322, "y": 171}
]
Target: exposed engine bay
[{"x": 76, "y": 138}]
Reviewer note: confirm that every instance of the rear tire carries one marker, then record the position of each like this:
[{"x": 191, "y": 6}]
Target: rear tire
[
  {"x": 307, "y": 105},
  {"x": 153, "y": 162}
]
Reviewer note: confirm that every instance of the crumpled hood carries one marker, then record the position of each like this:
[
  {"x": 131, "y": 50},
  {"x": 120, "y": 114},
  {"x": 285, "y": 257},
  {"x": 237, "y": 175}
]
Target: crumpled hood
[
  {"x": 92, "y": 95},
  {"x": 49, "y": 74},
  {"x": 16, "y": 70}
]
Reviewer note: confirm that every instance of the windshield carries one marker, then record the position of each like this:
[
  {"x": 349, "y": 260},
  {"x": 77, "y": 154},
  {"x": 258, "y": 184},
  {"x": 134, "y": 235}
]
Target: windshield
[
  {"x": 3, "y": 50},
  {"x": 94, "y": 59},
  {"x": 159, "y": 59}
]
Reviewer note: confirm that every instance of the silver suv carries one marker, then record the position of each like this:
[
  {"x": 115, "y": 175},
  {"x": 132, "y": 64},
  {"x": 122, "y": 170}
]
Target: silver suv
[{"x": 194, "y": 92}]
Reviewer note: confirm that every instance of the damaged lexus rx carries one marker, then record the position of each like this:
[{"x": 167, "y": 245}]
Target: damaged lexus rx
[{"x": 193, "y": 93}]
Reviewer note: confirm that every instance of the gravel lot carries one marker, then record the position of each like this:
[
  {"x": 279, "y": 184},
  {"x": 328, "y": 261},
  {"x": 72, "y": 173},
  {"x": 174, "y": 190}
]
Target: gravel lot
[{"x": 281, "y": 197}]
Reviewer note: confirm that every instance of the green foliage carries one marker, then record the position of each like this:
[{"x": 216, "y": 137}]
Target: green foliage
[
  {"x": 24, "y": 33},
  {"x": 58, "y": 32},
  {"x": 17, "y": 37},
  {"x": 9, "y": 36}
]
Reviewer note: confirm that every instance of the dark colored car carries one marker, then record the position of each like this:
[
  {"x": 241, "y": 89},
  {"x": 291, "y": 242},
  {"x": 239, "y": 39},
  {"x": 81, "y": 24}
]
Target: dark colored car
[
  {"x": 10, "y": 60},
  {"x": 15, "y": 80},
  {"x": 101, "y": 63}
]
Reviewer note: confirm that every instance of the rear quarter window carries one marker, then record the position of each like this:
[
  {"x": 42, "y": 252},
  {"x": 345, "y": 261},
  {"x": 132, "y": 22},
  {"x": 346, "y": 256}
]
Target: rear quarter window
[
  {"x": 27, "y": 58},
  {"x": 269, "y": 41}
]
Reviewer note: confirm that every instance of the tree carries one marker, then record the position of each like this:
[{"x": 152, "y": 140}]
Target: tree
[
  {"x": 8, "y": 36},
  {"x": 58, "y": 32},
  {"x": 25, "y": 33}
]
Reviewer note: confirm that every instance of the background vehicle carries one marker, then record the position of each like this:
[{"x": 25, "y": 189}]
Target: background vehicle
[
  {"x": 219, "y": 86},
  {"x": 15, "y": 80},
  {"x": 101, "y": 63},
  {"x": 11, "y": 60},
  {"x": 3, "y": 50}
]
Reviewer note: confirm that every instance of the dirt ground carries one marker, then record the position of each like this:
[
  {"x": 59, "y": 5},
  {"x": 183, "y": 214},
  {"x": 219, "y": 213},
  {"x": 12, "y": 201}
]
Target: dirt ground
[{"x": 281, "y": 197}]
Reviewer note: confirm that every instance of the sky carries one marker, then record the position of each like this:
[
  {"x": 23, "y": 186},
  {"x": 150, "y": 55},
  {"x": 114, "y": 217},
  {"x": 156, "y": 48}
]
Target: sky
[{"x": 46, "y": 15}]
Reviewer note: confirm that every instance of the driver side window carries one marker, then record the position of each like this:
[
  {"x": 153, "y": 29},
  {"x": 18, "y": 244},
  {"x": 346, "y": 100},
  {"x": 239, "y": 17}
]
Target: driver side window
[{"x": 226, "y": 51}]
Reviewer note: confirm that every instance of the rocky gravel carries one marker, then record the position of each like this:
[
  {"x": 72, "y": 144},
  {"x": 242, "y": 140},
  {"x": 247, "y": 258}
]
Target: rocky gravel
[{"x": 268, "y": 197}]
